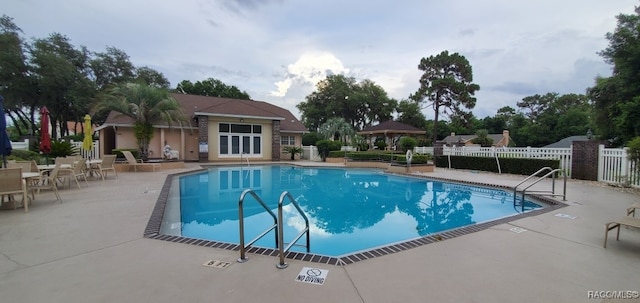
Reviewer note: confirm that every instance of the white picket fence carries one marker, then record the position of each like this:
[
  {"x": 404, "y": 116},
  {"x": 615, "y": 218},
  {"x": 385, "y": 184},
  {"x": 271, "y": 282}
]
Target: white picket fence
[
  {"x": 94, "y": 153},
  {"x": 562, "y": 154},
  {"x": 613, "y": 165},
  {"x": 24, "y": 145}
]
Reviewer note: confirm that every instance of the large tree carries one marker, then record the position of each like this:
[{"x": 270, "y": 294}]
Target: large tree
[
  {"x": 61, "y": 76},
  {"x": 617, "y": 98},
  {"x": 213, "y": 88},
  {"x": 359, "y": 103},
  {"x": 152, "y": 77},
  {"x": 553, "y": 117},
  {"x": 446, "y": 86},
  {"x": 14, "y": 76},
  {"x": 146, "y": 105},
  {"x": 111, "y": 67},
  {"x": 410, "y": 114}
]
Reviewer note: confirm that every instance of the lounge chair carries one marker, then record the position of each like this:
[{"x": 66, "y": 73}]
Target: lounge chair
[
  {"x": 131, "y": 160},
  {"x": 624, "y": 221},
  {"x": 107, "y": 165},
  {"x": 631, "y": 211},
  {"x": 11, "y": 183}
]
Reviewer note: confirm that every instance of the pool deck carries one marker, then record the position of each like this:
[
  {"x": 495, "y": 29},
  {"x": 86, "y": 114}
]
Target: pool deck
[{"x": 91, "y": 248}]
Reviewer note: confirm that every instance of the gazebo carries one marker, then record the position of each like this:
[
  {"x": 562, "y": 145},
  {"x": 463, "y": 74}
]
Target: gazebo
[{"x": 391, "y": 131}]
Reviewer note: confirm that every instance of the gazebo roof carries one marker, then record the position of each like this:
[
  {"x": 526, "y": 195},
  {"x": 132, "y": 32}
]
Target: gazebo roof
[{"x": 391, "y": 127}]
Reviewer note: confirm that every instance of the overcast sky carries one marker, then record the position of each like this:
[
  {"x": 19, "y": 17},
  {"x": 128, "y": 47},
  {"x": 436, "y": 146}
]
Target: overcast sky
[{"x": 277, "y": 50}]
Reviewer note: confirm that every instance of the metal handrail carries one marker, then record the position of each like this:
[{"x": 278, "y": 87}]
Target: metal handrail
[
  {"x": 552, "y": 192},
  {"x": 244, "y": 247},
  {"x": 531, "y": 176},
  {"x": 515, "y": 188},
  {"x": 248, "y": 164},
  {"x": 281, "y": 247}
]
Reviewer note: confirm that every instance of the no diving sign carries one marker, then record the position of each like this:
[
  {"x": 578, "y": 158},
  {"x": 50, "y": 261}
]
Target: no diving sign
[{"x": 312, "y": 275}]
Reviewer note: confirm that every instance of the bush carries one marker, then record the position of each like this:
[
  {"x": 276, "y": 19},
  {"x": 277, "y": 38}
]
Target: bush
[
  {"x": 24, "y": 155},
  {"x": 62, "y": 149},
  {"x": 633, "y": 149},
  {"x": 388, "y": 157},
  {"x": 311, "y": 138},
  {"x": 293, "y": 150},
  {"x": 518, "y": 166},
  {"x": 335, "y": 145},
  {"x": 336, "y": 154},
  {"x": 380, "y": 144},
  {"x": 365, "y": 156},
  {"x": 407, "y": 143},
  {"x": 323, "y": 149}
]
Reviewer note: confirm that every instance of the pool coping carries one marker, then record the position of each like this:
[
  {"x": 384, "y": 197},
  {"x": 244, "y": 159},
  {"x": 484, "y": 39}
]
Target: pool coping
[{"x": 152, "y": 230}]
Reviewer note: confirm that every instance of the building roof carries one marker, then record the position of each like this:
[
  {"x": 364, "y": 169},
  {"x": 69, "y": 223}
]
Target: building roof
[
  {"x": 194, "y": 105},
  {"x": 567, "y": 142},
  {"x": 391, "y": 127},
  {"x": 498, "y": 139}
]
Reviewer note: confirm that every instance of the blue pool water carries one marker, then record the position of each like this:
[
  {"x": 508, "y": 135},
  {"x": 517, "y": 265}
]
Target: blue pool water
[{"x": 350, "y": 210}]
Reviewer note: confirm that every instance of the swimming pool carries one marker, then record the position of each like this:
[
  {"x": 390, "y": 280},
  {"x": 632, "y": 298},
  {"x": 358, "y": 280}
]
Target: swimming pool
[{"x": 350, "y": 210}]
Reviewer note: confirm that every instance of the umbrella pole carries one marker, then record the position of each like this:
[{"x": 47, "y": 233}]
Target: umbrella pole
[{"x": 4, "y": 161}]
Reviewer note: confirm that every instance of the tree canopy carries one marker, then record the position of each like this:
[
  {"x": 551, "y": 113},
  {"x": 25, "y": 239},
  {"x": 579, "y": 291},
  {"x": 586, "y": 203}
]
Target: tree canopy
[
  {"x": 617, "y": 98},
  {"x": 213, "y": 88},
  {"x": 446, "y": 86},
  {"x": 359, "y": 103}
]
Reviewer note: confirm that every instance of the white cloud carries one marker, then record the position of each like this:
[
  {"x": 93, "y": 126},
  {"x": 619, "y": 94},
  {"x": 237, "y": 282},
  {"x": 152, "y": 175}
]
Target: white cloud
[{"x": 283, "y": 87}]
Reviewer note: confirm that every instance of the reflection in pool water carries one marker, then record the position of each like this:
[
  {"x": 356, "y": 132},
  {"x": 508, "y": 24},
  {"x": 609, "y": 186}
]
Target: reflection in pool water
[{"x": 349, "y": 209}]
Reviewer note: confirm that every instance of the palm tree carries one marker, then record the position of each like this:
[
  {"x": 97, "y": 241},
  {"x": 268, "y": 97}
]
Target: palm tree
[
  {"x": 337, "y": 129},
  {"x": 146, "y": 105}
]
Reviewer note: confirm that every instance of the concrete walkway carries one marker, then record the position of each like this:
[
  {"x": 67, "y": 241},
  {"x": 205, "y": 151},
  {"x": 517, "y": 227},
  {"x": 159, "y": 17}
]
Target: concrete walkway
[{"x": 90, "y": 249}]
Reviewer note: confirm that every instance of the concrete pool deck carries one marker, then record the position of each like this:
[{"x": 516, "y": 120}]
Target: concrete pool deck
[{"x": 91, "y": 248}]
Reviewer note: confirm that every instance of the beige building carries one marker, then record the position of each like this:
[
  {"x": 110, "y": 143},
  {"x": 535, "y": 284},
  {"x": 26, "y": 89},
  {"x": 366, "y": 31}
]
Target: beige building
[{"x": 221, "y": 129}]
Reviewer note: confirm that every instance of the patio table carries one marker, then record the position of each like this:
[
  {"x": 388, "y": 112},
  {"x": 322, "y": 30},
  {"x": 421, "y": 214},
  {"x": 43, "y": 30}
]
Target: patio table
[
  {"x": 92, "y": 165},
  {"x": 52, "y": 166}
]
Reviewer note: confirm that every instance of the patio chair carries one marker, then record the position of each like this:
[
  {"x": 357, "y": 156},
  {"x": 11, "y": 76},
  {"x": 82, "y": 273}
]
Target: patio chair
[
  {"x": 11, "y": 183},
  {"x": 131, "y": 160},
  {"x": 49, "y": 182},
  {"x": 25, "y": 165},
  {"x": 624, "y": 221},
  {"x": 29, "y": 166},
  {"x": 107, "y": 165},
  {"x": 77, "y": 171},
  {"x": 631, "y": 211}
]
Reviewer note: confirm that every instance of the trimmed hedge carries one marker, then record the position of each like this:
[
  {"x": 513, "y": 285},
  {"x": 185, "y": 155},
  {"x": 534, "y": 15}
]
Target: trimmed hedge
[
  {"x": 24, "y": 155},
  {"x": 518, "y": 166},
  {"x": 387, "y": 157}
]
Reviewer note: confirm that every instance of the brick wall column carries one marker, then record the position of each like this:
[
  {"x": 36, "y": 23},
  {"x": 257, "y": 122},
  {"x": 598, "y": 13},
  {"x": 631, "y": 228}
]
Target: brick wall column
[
  {"x": 584, "y": 160},
  {"x": 275, "y": 141},
  {"x": 438, "y": 148},
  {"x": 203, "y": 138}
]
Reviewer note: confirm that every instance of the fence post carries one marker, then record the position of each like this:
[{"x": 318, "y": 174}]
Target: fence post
[{"x": 625, "y": 171}]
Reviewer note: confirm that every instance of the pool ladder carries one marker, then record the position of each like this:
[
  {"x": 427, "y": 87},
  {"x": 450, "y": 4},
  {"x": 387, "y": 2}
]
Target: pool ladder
[
  {"x": 550, "y": 172},
  {"x": 277, "y": 225}
]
